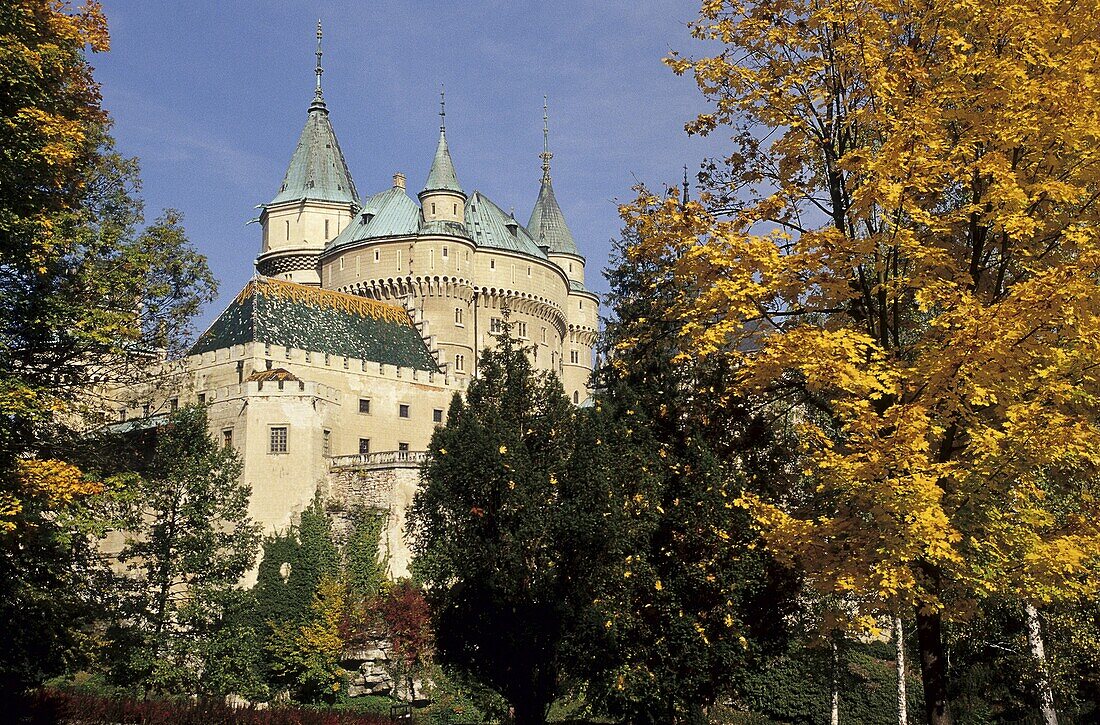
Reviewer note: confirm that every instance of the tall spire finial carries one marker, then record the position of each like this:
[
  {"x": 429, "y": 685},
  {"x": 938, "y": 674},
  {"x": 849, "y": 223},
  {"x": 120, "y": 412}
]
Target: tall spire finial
[
  {"x": 545, "y": 155},
  {"x": 319, "y": 70},
  {"x": 685, "y": 184},
  {"x": 442, "y": 109}
]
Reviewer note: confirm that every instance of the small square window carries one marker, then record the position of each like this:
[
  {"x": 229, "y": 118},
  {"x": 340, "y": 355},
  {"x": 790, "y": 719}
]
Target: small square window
[
  {"x": 202, "y": 398},
  {"x": 278, "y": 440},
  {"x": 364, "y": 446},
  {"x": 403, "y": 410},
  {"x": 403, "y": 447},
  {"x": 437, "y": 415},
  {"x": 364, "y": 405}
]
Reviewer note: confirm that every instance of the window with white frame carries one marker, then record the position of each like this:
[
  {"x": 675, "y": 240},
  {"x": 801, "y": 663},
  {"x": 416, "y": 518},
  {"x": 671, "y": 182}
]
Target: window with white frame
[
  {"x": 574, "y": 357},
  {"x": 496, "y": 326},
  {"x": 522, "y": 331}
]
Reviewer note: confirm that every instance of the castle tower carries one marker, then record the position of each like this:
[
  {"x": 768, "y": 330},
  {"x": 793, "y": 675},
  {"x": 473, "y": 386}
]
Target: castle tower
[
  {"x": 442, "y": 198},
  {"x": 547, "y": 224},
  {"x": 316, "y": 201},
  {"x": 549, "y": 230}
]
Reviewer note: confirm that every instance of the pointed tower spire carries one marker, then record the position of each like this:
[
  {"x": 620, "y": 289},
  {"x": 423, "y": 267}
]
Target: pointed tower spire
[
  {"x": 547, "y": 224},
  {"x": 442, "y": 175},
  {"x": 685, "y": 201},
  {"x": 545, "y": 155},
  {"x": 318, "y": 97},
  {"x": 318, "y": 169}
]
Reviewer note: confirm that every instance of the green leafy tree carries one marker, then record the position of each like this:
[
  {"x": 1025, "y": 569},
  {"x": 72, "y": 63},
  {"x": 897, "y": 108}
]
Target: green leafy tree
[
  {"x": 489, "y": 531},
  {"x": 86, "y": 293},
  {"x": 191, "y": 542}
]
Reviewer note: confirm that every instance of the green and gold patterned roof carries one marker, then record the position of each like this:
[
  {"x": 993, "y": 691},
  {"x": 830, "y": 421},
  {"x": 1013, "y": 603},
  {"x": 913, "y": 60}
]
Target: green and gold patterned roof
[{"x": 309, "y": 318}]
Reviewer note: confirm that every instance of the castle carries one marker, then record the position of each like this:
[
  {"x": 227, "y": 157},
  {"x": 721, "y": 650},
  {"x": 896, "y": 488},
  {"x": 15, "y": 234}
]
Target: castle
[{"x": 335, "y": 363}]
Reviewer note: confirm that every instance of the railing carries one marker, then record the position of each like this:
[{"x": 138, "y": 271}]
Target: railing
[{"x": 381, "y": 458}]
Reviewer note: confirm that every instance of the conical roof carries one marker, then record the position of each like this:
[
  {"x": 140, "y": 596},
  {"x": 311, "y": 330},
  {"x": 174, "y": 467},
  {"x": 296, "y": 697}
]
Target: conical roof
[
  {"x": 317, "y": 169},
  {"x": 442, "y": 175},
  {"x": 547, "y": 224}
]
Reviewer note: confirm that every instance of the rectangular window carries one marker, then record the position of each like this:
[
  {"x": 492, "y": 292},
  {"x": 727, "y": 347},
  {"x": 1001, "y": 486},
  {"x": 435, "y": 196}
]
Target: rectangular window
[
  {"x": 358, "y": 265},
  {"x": 492, "y": 264},
  {"x": 341, "y": 264},
  {"x": 460, "y": 363},
  {"x": 398, "y": 258},
  {"x": 574, "y": 357},
  {"x": 278, "y": 440},
  {"x": 444, "y": 252},
  {"x": 437, "y": 415},
  {"x": 364, "y": 405},
  {"x": 528, "y": 270},
  {"x": 364, "y": 446},
  {"x": 544, "y": 336},
  {"x": 174, "y": 404},
  {"x": 326, "y": 443},
  {"x": 326, "y": 229},
  {"x": 458, "y": 316},
  {"x": 403, "y": 410},
  {"x": 202, "y": 398},
  {"x": 431, "y": 259},
  {"x": 403, "y": 447},
  {"x": 523, "y": 330},
  {"x": 121, "y": 415},
  {"x": 377, "y": 255},
  {"x": 496, "y": 326},
  {"x": 227, "y": 438}
]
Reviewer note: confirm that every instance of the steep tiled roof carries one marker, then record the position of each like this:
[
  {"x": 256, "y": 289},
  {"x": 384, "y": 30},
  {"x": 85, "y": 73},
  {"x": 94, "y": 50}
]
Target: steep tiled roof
[
  {"x": 491, "y": 227},
  {"x": 386, "y": 214},
  {"x": 547, "y": 224},
  {"x": 317, "y": 169},
  {"x": 442, "y": 175},
  {"x": 308, "y": 318}
]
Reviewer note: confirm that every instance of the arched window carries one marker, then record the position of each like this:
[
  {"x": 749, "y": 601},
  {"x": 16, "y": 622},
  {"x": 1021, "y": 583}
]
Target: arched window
[{"x": 576, "y": 397}]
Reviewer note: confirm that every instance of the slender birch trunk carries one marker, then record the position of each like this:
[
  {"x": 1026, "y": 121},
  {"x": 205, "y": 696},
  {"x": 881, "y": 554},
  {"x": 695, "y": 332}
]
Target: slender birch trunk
[
  {"x": 834, "y": 718},
  {"x": 1038, "y": 652},
  {"x": 899, "y": 648}
]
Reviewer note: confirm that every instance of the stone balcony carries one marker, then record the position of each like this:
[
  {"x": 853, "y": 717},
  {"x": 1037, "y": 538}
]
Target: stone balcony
[{"x": 379, "y": 460}]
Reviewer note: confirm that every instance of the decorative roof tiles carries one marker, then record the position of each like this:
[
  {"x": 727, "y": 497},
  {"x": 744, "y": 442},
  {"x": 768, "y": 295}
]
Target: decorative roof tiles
[{"x": 309, "y": 318}]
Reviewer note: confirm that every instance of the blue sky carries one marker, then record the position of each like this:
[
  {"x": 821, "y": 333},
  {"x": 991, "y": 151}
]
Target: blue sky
[{"x": 211, "y": 96}]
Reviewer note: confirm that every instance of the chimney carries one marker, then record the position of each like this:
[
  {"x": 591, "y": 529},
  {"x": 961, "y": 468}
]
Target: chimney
[{"x": 399, "y": 180}]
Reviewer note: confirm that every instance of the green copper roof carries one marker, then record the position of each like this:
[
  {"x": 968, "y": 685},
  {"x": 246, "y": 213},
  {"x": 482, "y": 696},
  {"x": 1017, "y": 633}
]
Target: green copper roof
[
  {"x": 308, "y": 318},
  {"x": 547, "y": 224},
  {"x": 317, "y": 169},
  {"x": 489, "y": 226},
  {"x": 442, "y": 175},
  {"x": 390, "y": 213}
]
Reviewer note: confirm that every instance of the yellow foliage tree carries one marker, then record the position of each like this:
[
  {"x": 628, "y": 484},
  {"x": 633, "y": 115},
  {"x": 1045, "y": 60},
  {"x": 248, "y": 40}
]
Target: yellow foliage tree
[{"x": 903, "y": 253}]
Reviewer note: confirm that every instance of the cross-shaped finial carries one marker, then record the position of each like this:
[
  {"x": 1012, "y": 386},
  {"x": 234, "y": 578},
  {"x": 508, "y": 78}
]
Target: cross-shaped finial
[{"x": 442, "y": 109}]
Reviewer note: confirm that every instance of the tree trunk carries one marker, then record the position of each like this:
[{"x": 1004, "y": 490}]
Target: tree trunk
[
  {"x": 834, "y": 716},
  {"x": 899, "y": 649},
  {"x": 933, "y": 668},
  {"x": 1038, "y": 652}
]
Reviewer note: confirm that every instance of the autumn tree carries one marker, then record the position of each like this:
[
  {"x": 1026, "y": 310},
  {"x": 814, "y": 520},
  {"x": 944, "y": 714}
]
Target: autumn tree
[
  {"x": 189, "y": 543},
  {"x": 86, "y": 293},
  {"x": 902, "y": 248}
]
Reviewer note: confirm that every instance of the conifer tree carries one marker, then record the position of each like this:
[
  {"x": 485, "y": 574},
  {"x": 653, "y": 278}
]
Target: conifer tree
[{"x": 488, "y": 529}]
